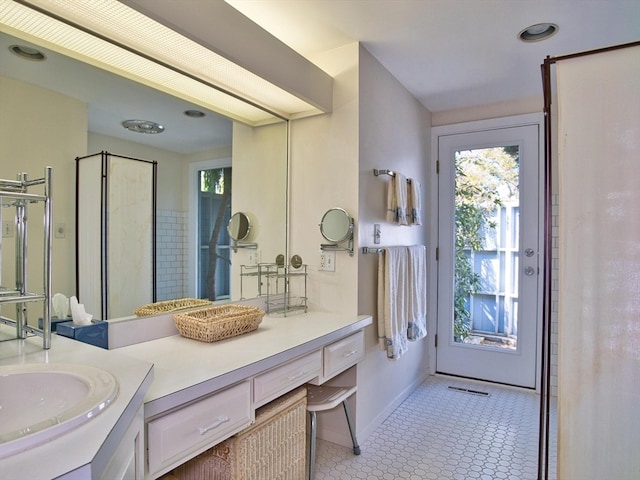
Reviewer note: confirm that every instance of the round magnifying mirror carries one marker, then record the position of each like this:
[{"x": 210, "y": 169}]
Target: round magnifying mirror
[
  {"x": 239, "y": 226},
  {"x": 336, "y": 225}
]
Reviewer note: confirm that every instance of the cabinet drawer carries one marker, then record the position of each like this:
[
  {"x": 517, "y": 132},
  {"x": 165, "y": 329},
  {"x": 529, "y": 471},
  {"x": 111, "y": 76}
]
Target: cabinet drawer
[
  {"x": 199, "y": 425},
  {"x": 343, "y": 354},
  {"x": 280, "y": 380}
]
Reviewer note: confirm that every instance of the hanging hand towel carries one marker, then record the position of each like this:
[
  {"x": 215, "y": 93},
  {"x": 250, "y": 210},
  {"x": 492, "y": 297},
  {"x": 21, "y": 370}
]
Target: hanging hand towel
[
  {"x": 414, "y": 203},
  {"x": 397, "y": 200},
  {"x": 392, "y": 203},
  {"x": 417, "y": 292},
  {"x": 392, "y": 301}
]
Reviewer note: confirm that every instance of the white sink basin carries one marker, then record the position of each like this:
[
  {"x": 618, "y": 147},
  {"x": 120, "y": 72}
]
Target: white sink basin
[{"x": 42, "y": 401}]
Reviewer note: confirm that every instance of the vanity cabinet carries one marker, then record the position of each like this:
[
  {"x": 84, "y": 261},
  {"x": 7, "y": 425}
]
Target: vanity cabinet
[
  {"x": 204, "y": 392},
  {"x": 183, "y": 433},
  {"x": 341, "y": 355},
  {"x": 283, "y": 379},
  {"x": 127, "y": 462},
  {"x": 123, "y": 462}
]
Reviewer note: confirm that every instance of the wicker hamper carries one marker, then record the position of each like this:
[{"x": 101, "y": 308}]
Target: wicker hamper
[{"x": 273, "y": 448}]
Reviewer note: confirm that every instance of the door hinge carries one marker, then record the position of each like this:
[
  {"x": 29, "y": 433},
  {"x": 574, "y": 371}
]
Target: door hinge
[
  {"x": 437, "y": 253},
  {"x": 436, "y": 340},
  {"x": 437, "y": 167}
]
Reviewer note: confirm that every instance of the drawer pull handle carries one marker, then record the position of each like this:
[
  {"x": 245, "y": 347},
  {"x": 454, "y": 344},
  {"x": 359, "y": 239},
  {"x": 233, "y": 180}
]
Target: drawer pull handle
[
  {"x": 219, "y": 421},
  {"x": 297, "y": 375},
  {"x": 350, "y": 354}
]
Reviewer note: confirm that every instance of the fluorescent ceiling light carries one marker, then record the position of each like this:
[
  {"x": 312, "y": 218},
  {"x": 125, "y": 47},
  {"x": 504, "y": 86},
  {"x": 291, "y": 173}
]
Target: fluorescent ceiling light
[{"x": 183, "y": 68}]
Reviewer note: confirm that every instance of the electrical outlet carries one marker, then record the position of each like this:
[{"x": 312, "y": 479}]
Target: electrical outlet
[
  {"x": 328, "y": 261},
  {"x": 7, "y": 228},
  {"x": 253, "y": 258}
]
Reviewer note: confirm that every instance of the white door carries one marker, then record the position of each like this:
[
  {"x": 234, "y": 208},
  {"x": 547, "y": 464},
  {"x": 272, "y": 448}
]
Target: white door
[{"x": 489, "y": 255}]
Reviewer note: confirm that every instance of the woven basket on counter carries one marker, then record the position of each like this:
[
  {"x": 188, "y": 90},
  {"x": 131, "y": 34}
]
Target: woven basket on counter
[
  {"x": 215, "y": 323},
  {"x": 170, "y": 306}
]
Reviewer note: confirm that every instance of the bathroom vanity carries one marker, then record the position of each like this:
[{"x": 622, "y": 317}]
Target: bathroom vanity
[
  {"x": 183, "y": 396},
  {"x": 205, "y": 392}
]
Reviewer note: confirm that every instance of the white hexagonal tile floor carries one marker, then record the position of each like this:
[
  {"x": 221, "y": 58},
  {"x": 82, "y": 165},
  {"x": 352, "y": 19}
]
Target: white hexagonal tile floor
[{"x": 444, "y": 433}]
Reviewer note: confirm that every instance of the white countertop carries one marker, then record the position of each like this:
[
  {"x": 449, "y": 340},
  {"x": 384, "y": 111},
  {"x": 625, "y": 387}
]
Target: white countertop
[
  {"x": 186, "y": 369},
  {"x": 182, "y": 369},
  {"x": 78, "y": 448}
]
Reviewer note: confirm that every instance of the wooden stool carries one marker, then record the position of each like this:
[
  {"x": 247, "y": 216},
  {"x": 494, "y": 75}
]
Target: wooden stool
[{"x": 321, "y": 398}]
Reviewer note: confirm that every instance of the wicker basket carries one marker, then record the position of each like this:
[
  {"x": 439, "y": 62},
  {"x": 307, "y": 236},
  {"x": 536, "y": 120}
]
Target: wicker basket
[
  {"x": 170, "y": 306},
  {"x": 215, "y": 323},
  {"x": 273, "y": 448}
]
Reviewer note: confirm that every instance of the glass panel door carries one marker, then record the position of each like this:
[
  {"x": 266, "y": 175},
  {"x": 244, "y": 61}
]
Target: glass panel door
[
  {"x": 486, "y": 246},
  {"x": 488, "y": 237}
]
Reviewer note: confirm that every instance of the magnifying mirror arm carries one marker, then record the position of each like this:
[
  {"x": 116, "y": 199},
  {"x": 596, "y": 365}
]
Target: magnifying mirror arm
[
  {"x": 235, "y": 245},
  {"x": 336, "y": 247}
]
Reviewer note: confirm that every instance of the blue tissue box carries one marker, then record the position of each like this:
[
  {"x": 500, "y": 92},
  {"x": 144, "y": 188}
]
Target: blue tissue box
[
  {"x": 54, "y": 322},
  {"x": 93, "y": 334}
]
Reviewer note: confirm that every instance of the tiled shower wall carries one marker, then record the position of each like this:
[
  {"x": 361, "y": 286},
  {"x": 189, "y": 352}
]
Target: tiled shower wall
[
  {"x": 555, "y": 248},
  {"x": 171, "y": 254}
]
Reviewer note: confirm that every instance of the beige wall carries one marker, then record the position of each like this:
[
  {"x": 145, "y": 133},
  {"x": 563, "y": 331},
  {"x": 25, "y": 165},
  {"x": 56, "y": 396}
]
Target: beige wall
[
  {"x": 324, "y": 174},
  {"x": 39, "y": 128},
  {"x": 488, "y": 111},
  {"x": 259, "y": 191},
  {"x": 394, "y": 133},
  {"x": 375, "y": 123}
]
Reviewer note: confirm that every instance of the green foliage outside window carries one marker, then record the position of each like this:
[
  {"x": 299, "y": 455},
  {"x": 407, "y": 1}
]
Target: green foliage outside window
[{"x": 485, "y": 179}]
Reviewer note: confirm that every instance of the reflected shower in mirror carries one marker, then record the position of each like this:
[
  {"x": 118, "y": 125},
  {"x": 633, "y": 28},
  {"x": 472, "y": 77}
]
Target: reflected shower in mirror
[{"x": 91, "y": 105}]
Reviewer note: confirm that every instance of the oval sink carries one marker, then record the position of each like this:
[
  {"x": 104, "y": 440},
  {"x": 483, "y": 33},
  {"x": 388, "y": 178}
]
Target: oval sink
[{"x": 42, "y": 401}]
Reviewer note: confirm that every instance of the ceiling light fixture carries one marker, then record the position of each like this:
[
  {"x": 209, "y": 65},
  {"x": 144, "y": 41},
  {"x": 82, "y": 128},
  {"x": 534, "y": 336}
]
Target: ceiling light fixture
[
  {"x": 112, "y": 36},
  {"x": 194, "y": 113},
  {"x": 28, "y": 53},
  {"x": 143, "y": 126},
  {"x": 537, "y": 32}
]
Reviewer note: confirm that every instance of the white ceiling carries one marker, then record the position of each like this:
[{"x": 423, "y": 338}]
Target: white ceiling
[{"x": 450, "y": 54}]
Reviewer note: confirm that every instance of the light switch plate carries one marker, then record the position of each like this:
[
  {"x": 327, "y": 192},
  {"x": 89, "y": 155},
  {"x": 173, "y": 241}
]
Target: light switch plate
[{"x": 7, "y": 228}]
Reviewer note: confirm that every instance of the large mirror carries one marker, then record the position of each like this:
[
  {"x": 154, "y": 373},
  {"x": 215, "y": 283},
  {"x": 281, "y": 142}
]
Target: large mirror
[{"x": 208, "y": 167}]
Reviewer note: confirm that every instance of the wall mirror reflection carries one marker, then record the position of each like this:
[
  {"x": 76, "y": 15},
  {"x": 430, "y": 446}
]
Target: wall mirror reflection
[
  {"x": 208, "y": 167},
  {"x": 239, "y": 226}
]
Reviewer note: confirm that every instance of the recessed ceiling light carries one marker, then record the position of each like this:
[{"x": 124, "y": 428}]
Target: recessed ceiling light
[
  {"x": 194, "y": 113},
  {"x": 142, "y": 126},
  {"x": 537, "y": 32},
  {"x": 28, "y": 53}
]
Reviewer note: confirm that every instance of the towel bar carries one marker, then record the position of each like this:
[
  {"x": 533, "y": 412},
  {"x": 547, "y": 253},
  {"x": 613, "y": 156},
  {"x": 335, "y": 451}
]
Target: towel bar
[
  {"x": 377, "y": 172},
  {"x": 372, "y": 250}
]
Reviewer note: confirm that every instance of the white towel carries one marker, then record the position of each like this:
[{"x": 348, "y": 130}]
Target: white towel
[
  {"x": 397, "y": 200},
  {"x": 414, "y": 203},
  {"x": 417, "y": 292},
  {"x": 393, "y": 301}
]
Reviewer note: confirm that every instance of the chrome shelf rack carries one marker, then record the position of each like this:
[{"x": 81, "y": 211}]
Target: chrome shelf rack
[
  {"x": 18, "y": 194},
  {"x": 280, "y": 299}
]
